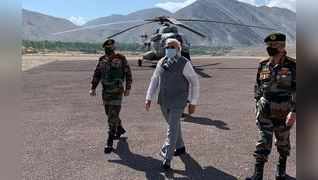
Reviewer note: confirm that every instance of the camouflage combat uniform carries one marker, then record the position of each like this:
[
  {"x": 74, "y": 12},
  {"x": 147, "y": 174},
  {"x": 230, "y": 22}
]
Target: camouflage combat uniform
[
  {"x": 275, "y": 92},
  {"x": 112, "y": 72}
]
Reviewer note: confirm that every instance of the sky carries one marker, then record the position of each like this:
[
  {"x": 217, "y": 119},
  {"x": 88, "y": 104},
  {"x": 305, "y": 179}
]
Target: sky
[{"x": 81, "y": 11}]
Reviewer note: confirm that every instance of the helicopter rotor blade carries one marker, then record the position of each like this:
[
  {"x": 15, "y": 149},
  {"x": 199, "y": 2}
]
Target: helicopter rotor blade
[
  {"x": 222, "y": 22},
  {"x": 128, "y": 29},
  {"x": 160, "y": 19},
  {"x": 95, "y": 26},
  {"x": 178, "y": 23}
]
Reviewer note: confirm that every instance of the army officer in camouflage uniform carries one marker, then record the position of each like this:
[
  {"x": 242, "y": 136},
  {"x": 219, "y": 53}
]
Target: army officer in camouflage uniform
[
  {"x": 112, "y": 71},
  {"x": 275, "y": 94}
]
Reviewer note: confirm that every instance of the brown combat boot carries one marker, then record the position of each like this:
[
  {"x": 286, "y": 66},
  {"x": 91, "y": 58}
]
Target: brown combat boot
[
  {"x": 109, "y": 145},
  {"x": 281, "y": 168}
]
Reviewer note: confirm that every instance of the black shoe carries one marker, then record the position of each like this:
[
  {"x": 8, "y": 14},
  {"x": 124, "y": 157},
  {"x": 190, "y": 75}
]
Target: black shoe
[
  {"x": 254, "y": 177},
  {"x": 184, "y": 115},
  {"x": 108, "y": 150},
  {"x": 165, "y": 166},
  {"x": 281, "y": 177},
  {"x": 120, "y": 131},
  {"x": 180, "y": 151},
  {"x": 162, "y": 154}
]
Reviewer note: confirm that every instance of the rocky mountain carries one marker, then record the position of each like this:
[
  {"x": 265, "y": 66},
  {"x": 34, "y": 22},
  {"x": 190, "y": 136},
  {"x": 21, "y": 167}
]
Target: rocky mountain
[
  {"x": 99, "y": 34},
  {"x": 38, "y": 26},
  {"x": 139, "y": 15},
  {"x": 235, "y": 11}
]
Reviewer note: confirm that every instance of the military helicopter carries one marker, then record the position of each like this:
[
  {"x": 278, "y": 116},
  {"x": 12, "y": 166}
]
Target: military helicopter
[
  {"x": 154, "y": 44},
  {"x": 168, "y": 29}
]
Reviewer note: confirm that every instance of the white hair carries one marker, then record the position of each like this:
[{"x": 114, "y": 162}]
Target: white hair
[{"x": 174, "y": 41}]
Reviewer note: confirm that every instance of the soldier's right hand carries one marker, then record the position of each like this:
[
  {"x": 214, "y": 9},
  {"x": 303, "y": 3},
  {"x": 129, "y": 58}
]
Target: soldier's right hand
[
  {"x": 92, "y": 92},
  {"x": 291, "y": 119},
  {"x": 147, "y": 105}
]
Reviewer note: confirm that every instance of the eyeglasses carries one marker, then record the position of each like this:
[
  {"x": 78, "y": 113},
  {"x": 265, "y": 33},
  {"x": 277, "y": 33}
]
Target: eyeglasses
[{"x": 170, "y": 47}]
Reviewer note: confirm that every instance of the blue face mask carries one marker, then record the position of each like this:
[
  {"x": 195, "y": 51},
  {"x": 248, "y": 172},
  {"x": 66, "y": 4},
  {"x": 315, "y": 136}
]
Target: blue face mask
[{"x": 171, "y": 53}]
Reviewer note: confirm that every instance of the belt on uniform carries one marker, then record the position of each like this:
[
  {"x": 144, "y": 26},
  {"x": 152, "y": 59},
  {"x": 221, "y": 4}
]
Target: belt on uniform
[{"x": 277, "y": 99}]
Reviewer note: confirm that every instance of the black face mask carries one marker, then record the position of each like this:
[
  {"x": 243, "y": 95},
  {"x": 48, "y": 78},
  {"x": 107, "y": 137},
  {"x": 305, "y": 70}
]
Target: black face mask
[
  {"x": 272, "y": 51},
  {"x": 109, "y": 51}
]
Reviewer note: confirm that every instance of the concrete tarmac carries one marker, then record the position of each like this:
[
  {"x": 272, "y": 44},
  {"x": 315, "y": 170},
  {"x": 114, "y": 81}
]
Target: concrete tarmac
[{"x": 64, "y": 129}]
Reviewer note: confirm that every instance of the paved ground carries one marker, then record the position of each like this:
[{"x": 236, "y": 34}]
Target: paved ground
[{"x": 64, "y": 128}]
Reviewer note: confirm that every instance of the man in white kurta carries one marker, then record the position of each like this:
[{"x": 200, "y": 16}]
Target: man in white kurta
[{"x": 178, "y": 84}]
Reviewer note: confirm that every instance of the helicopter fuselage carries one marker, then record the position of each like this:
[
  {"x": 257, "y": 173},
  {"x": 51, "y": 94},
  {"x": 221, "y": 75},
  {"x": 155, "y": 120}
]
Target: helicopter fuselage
[{"x": 158, "y": 41}]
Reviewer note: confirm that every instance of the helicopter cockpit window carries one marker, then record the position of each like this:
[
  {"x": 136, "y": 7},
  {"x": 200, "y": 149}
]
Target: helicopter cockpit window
[
  {"x": 156, "y": 37},
  {"x": 174, "y": 29},
  {"x": 167, "y": 30}
]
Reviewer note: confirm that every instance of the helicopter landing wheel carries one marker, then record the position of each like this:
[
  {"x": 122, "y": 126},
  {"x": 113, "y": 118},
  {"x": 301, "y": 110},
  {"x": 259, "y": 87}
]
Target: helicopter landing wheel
[{"x": 139, "y": 62}]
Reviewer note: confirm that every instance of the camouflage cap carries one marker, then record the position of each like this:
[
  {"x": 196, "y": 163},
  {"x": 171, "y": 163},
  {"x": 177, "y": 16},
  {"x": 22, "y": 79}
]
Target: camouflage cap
[
  {"x": 275, "y": 37},
  {"x": 108, "y": 42}
]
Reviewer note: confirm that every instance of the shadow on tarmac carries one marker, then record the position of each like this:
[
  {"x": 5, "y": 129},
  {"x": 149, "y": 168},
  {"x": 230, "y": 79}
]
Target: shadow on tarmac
[
  {"x": 200, "y": 70},
  {"x": 193, "y": 170},
  {"x": 153, "y": 171},
  {"x": 149, "y": 165},
  {"x": 202, "y": 74},
  {"x": 207, "y": 121}
]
